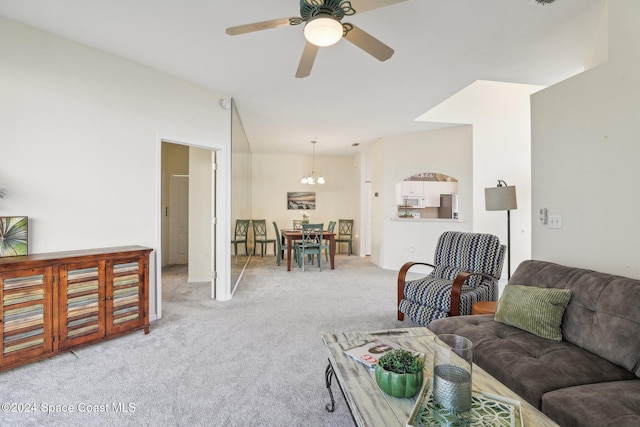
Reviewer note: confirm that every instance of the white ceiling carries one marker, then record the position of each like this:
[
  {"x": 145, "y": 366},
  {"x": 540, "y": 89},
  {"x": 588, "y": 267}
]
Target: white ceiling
[{"x": 441, "y": 46}]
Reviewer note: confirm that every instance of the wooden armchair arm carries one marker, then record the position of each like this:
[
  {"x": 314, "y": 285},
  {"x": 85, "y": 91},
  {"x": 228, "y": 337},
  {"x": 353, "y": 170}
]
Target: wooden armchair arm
[
  {"x": 456, "y": 289},
  {"x": 402, "y": 274}
]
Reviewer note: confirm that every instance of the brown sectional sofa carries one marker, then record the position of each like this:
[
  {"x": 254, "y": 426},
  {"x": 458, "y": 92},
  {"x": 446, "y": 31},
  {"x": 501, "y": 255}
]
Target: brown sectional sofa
[{"x": 591, "y": 377}]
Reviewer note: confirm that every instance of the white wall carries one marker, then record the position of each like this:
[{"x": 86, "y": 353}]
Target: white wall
[
  {"x": 447, "y": 151},
  {"x": 585, "y": 157},
  {"x": 275, "y": 174},
  {"x": 240, "y": 171},
  {"x": 81, "y": 131},
  {"x": 501, "y": 119}
]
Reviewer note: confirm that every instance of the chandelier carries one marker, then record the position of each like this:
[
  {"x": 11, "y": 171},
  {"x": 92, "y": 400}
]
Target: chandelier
[{"x": 312, "y": 178}]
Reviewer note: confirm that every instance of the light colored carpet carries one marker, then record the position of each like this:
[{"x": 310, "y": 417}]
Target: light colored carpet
[{"x": 257, "y": 360}]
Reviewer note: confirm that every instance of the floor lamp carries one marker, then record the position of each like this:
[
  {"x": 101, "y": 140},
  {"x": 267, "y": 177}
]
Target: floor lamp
[{"x": 502, "y": 198}]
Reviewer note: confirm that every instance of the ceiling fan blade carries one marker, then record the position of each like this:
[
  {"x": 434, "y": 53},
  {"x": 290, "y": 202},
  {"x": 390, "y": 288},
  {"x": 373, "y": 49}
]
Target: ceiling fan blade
[
  {"x": 259, "y": 26},
  {"x": 365, "y": 5},
  {"x": 307, "y": 59},
  {"x": 368, "y": 43}
]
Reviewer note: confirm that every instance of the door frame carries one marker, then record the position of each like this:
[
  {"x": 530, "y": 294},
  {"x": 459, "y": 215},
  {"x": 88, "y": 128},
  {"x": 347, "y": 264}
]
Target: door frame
[{"x": 220, "y": 230}]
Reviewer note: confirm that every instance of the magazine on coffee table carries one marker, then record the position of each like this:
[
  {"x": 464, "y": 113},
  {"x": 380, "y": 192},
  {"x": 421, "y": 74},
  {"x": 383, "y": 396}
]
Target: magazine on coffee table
[{"x": 369, "y": 352}]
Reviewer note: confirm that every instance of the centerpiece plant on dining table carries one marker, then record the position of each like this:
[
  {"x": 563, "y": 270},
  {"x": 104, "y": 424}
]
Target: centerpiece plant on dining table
[{"x": 399, "y": 373}]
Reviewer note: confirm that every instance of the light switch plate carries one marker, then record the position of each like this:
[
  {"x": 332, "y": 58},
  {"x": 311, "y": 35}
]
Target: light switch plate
[{"x": 555, "y": 221}]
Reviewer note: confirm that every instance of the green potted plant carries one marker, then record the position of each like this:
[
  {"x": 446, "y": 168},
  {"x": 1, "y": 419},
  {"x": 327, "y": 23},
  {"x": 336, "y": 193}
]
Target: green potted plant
[{"x": 399, "y": 373}]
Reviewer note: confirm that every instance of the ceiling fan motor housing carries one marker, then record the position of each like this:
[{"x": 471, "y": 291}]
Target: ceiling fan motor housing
[{"x": 336, "y": 8}]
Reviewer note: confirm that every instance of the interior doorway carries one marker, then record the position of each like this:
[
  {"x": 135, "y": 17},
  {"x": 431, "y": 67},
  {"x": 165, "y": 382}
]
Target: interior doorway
[{"x": 187, "y": 208}]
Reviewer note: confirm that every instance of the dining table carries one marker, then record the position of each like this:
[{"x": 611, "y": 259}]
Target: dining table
[{"x": 288, "y": 236}]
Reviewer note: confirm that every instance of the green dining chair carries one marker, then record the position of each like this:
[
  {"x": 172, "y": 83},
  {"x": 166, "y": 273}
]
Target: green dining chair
[
  {"x": 345, "y": 233},
  {"x": 326, "y": 243},
  {"x": 282, "y": 246},
  {"x": 260, "y": 237},
  {"x": 311, "y": 244},
  {"x": 240, "y": 235}
]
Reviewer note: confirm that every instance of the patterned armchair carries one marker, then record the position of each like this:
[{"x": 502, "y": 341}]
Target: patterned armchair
[{"x": 466, "y": 269}]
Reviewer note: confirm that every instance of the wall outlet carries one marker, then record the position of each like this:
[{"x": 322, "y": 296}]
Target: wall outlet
[{"x": 555, "y": 221}]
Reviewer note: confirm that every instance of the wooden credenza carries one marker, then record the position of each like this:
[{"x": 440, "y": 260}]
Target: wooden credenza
[{"x": 55, "y": 302}]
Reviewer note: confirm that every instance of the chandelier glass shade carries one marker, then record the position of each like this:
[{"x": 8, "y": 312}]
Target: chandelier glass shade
[
  {"x": 313, "y": 178},
  {"x": 323, "y": 30}
]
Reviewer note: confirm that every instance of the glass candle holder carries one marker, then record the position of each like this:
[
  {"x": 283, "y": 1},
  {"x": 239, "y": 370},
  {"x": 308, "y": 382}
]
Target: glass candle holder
[{"x": 452, "y": 365}]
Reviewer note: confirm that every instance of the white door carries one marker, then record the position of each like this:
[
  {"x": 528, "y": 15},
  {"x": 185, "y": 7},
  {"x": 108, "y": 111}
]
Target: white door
[
  {"x": 367, "y": 218},
  {"x": 214, "y": 225},
  {"x": 179, "y": 219}
]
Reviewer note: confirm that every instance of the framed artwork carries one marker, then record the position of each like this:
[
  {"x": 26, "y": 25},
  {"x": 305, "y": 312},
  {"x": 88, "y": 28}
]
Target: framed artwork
[
  {"x": 13, "y": 235},
  {"x": 301, "y": 200}
]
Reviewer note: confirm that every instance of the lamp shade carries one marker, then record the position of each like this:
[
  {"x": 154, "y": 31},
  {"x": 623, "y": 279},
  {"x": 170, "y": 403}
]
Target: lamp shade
[
  {"x": 500, "y": 198},
  {"x": 323, "y": 30}
]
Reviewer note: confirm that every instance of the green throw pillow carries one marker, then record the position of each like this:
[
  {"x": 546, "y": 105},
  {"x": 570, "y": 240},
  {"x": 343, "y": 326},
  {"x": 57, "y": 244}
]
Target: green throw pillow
[{"x": 535, "y": 310}]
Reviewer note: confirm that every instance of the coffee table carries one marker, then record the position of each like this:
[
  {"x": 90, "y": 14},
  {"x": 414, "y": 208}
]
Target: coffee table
[{"x": 369, "y": 406}]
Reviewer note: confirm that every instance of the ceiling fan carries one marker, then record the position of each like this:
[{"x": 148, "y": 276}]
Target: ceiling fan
[{"x": 324, "y": 27}]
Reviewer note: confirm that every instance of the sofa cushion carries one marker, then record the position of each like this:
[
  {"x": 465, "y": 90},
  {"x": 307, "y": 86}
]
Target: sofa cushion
[
  {"x": 595, "y": 405},
  {"x": 535, "y": 310},
  {"x": 602, "y": 316},
  {"x": 527, "y": 364}
]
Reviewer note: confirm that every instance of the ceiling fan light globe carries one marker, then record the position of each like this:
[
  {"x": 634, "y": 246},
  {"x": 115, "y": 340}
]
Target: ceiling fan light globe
[
  {"x": 323, "y": 31},
  {"x": 320, "y": 180},
  {"x": 303, "y": 180}
]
